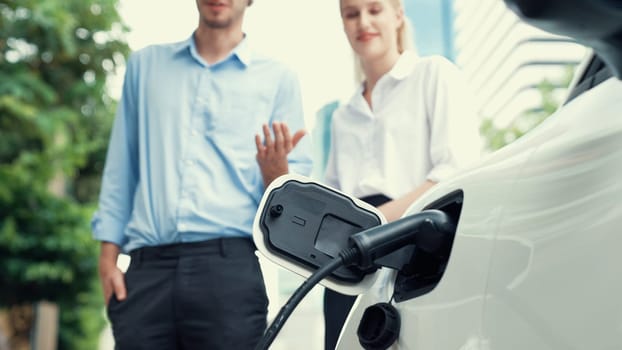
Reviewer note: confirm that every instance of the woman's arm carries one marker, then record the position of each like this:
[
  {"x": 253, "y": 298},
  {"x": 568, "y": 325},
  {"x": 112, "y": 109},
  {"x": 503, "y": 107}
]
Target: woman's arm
[{"x": 394, "y": 209}]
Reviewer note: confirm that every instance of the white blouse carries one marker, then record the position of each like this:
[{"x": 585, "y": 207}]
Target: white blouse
[{"x": 422, "y": 127}]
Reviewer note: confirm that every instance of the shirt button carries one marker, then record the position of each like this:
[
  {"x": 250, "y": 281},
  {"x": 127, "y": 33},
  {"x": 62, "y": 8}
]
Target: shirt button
[
  {"x": 194, "y": 133},
  {"x": 189, "y": 162}
]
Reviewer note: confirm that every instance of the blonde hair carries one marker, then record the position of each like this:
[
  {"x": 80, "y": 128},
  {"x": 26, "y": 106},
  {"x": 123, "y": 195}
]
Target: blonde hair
[
  {"x": 405, "y": 37},
  {"x": 405, "y": 41}
]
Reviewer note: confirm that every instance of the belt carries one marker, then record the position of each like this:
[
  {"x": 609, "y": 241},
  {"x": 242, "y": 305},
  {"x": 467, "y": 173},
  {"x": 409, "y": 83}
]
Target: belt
[{"x": 222, "y": 246}]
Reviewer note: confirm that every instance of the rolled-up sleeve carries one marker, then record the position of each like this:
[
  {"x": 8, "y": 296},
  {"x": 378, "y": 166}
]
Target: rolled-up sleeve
[
  {"x": 454, "y": 132},
  {"x": 120, "y": 175},
  {"x": 288, "y": 109}
]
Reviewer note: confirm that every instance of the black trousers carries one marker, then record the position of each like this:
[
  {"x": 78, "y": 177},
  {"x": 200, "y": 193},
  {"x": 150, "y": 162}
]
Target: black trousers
[
  {"x": 336, "y": 305},
  {"x": 206, "y": 295}
]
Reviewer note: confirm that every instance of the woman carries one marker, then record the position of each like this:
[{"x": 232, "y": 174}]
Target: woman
[{"x": 408, "y": 126}]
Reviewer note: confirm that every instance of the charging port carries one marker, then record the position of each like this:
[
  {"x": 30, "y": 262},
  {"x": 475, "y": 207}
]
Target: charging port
[{"x": 421, "y": 271}]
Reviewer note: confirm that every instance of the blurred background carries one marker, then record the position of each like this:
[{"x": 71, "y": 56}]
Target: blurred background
[{"x": 61, "y": 68}]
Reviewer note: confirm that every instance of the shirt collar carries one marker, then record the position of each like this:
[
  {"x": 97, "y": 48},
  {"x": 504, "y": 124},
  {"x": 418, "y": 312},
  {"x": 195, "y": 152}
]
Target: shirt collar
[
  {"x": 404, "y": 65},
  {"x": 401, "y": 69},
  {"x": 183, "y": 45},
  {"x": 242, "y": 51}
]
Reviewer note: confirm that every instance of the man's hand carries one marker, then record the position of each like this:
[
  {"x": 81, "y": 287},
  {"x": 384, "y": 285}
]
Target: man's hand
[
  {"x": 272, "y": 154},
  {"x": 111, "y": 277}
]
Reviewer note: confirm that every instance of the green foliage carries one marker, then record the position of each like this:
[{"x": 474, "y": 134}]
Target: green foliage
[
  {"x": 84, "y": 324},
  {"x": 55, "y": 118},
  {"x": 498, "y": 137}
]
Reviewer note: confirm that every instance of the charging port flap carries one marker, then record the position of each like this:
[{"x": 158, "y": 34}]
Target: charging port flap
[{"x": 302, "y": 225}]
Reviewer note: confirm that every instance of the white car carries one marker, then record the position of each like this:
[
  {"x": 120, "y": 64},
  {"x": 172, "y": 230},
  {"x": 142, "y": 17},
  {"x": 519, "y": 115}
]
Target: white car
[{"x": 534, "y": 259}]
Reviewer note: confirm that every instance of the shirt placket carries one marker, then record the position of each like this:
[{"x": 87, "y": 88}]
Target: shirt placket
[
  {"x": 374, "y": 131},
  {"x": 190, "y": 159}
]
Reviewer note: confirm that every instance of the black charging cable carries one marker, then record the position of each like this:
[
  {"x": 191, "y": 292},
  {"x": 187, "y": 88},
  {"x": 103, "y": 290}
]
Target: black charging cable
[
  {"x": 430, "y": 230},
  {"x": 345, "y": 258}
]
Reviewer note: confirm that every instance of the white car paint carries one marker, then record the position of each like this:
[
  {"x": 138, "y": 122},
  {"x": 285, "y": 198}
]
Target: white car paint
[{"x": 536, "y": 260}]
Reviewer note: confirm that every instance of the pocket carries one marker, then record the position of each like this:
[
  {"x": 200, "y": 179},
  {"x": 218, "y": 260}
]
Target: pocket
[
  {"x": 235, "y": 127},
  {"x": 259, "y": 281},
  {"x": 240, "y": 112},
  {"x": 112, "y": 302}
]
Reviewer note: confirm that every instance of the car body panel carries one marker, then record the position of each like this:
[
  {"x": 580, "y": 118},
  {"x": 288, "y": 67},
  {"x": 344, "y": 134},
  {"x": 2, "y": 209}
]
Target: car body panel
[{"x": 535, "y": 263}]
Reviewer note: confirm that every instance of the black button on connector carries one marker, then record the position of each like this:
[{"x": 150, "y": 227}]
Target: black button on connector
[
  {"x": 276, "y": 211},
  {"x": 379, "y": 327}
]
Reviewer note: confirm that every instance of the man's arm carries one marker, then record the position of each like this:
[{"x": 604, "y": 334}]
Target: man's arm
[
  {"x": 120, "y": 176},
  {"x": 119, "y": 183}
]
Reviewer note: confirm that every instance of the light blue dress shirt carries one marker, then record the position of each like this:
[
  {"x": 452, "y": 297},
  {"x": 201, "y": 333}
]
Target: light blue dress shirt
[{"x": 181, "y": 163}]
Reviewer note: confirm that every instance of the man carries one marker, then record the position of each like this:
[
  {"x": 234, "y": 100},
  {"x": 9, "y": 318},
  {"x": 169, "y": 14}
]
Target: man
[{"x": 182, "y": 183}]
